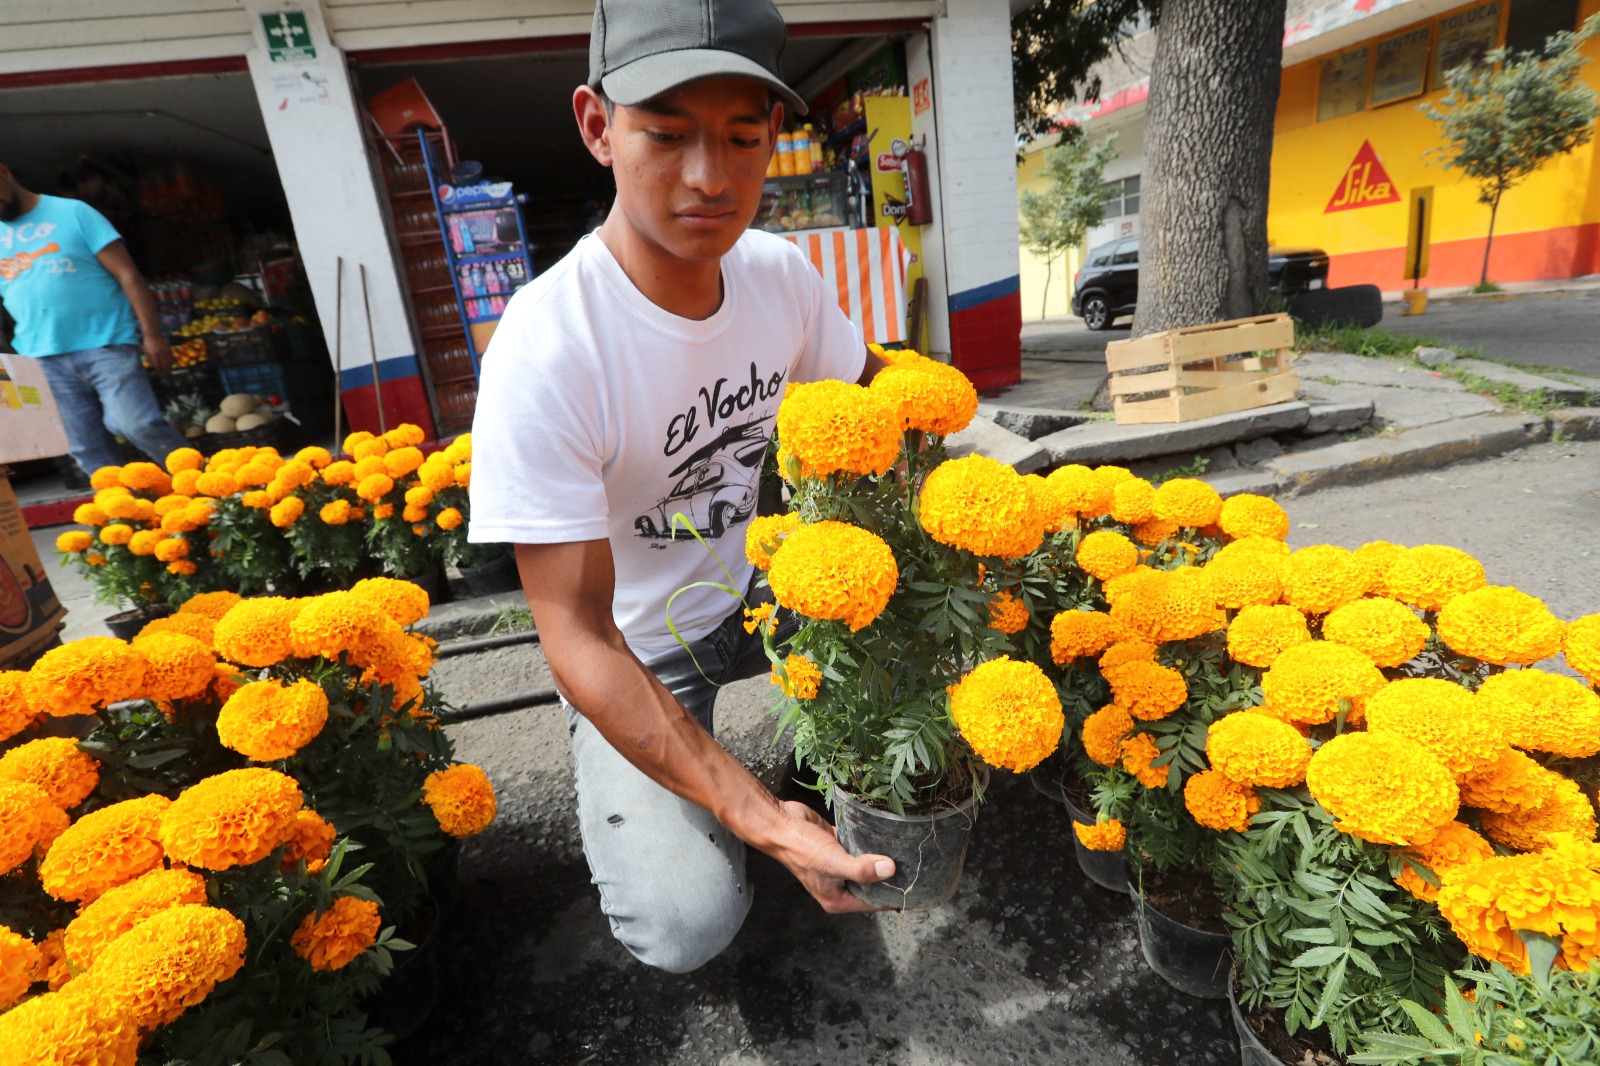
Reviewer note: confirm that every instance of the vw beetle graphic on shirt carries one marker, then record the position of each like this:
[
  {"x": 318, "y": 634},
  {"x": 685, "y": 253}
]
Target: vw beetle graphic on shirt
[{"x": 716, "y": 485}]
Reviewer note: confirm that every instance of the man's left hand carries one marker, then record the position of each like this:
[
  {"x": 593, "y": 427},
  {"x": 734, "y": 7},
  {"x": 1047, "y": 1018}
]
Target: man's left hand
[{"x": 158, "y": 354}]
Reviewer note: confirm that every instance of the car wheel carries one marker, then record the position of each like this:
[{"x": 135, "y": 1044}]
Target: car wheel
[
  {"x": 1096, "y": 312},
  {"x": 719, "y": 520}
]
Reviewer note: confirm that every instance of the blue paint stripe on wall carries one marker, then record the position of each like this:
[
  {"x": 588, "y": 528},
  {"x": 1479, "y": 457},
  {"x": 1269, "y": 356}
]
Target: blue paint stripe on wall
[
  {"x": 401, "y": 366},
  {"x": 962, "y": 301}
]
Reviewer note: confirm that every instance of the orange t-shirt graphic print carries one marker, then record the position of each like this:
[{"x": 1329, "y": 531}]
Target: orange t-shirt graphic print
[{"x": 15, "y": 266}]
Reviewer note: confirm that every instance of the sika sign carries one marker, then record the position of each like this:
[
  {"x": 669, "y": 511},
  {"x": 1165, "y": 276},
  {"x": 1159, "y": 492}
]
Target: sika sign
[{"x": 1365, "y": 184}]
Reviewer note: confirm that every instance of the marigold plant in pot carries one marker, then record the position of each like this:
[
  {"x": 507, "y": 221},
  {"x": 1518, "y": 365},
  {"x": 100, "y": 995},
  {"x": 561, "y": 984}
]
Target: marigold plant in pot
[{"x": 896, "y": 686}]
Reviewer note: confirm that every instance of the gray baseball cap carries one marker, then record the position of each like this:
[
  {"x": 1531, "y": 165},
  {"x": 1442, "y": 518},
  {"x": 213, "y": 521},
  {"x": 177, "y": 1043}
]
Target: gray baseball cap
[{"x": 640, "y": 49}]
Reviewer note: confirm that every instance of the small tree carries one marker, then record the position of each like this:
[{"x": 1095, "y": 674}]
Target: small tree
[
  {"x": 1509, "y": 116},
  {"x": 1055, "y": 221}
]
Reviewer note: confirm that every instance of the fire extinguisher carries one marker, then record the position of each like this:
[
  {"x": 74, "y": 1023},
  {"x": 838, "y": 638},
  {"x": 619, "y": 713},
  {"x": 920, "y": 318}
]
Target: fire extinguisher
[{"x": 919, "y": 201}]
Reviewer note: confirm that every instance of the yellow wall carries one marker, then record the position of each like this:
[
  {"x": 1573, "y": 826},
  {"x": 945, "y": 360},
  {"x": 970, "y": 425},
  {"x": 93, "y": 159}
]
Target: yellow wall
[
  {"x": 1548, "y": 227},
  {"x": 1034, "y": 298}
]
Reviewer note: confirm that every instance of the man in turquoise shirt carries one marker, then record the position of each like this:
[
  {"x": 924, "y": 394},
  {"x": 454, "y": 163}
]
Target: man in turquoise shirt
[{"x": 81, "y": 307}]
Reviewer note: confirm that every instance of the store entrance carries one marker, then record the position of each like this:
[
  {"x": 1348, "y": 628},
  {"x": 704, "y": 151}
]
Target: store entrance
[
  {"x": 182, "y": 168},
  {"x": 507, "y": 121}
]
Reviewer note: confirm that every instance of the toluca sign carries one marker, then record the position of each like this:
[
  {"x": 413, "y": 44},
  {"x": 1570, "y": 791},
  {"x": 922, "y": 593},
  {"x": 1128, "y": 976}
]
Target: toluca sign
[{"x": 1365, "y": 183}]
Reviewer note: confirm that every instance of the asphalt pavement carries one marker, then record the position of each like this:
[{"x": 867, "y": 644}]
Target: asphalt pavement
[
  {"x": 1029, "y": 963},
  {"x": 1554, "y": 329}
]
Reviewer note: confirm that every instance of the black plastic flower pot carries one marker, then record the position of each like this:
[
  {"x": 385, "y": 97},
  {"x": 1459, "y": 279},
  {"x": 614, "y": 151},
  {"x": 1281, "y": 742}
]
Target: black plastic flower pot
[
  {"x": 1252, "y": 1052},
  {"x": 497, "y": 575},
  {"x": 126, "y": 624},
  {"x": 928, "y": 850},
  {"x": 1108, "y": 869},
  {"x": 444, "y": 877},
  {"x": 1193, "y": 961}
]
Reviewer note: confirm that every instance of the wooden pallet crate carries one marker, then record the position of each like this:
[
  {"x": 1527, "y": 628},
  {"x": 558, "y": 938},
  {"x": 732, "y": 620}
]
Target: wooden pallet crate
[{"x": 1183, "y": 374}]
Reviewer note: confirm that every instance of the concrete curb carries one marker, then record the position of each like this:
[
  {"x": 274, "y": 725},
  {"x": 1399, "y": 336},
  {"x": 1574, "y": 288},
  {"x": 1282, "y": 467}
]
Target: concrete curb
[
  {"x": 469, "y": 616},
  {"x": 1419, "y": 449}
]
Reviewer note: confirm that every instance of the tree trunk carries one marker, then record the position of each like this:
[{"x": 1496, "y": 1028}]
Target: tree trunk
[
  {"x": 1494, "y": 209},
  {"x": 1208, "y": 159},
  {"x": 1044, "y": 305}
]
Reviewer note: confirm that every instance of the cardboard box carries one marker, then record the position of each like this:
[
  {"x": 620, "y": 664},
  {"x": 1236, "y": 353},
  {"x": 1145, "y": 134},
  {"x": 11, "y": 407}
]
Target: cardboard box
[
  {"x": 30, "y": 426},
  {"x": 30, "y": 613}
]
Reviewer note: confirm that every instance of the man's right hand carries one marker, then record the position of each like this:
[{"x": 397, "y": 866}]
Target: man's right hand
[{"x": 809, "y": 848}]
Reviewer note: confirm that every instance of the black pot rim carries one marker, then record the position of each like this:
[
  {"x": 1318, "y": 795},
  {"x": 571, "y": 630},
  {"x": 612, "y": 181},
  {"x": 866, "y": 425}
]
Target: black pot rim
[
  {"x": 1144, "y": 906},
  {"x": 965, "y": 807}
]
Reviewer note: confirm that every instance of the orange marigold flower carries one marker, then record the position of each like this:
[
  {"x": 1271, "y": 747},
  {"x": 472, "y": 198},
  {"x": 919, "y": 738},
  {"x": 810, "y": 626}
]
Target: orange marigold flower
[
  {"x": 172, "y": 549},
  {"x": 216, "y": 484},
  {"x": 1456, "y": 845},
  {"x": 143, "y": 542},
  {"x": 75, "y": 541},
  {"x": 287, "y": 511},
  {"x": 1500, "y": 625},
  {"x": 337, "y": 937},
  {"x": 1442, "y": 717},
  {"x": 1075, "y": 488},
  {"x": 198, "y": 626},
  {"x": 1008, "y": 712},
  {"x": 799, "y": 678},
  {"x": 1105, "y": 835},
  {"x": 981, "y": 505},
  {"x": 56, "y": 764},
  {"x": 835, "y": 427},
  {"x": 314, "y": 456},
  {"x": 930, "y": 396},
  {"x": 336, "y": 513},
  {"x": 1377, "y": 555},
  {"x": 342, "y": 623},
  {"x": 461, "y": 798},
  {"x": 311, "y": 839},
  {"x": 1153, "y": 532},
  {"x": 68, "y": 1027},
  {"x": 1514, "y": 784},
  {"x": 1048, "y": 505},
  {"x": 1566, "y": 810},
  {"x": 21, "y": 964},
  {"x": 1581, "y": 643},
  {"x": 145, "y": 477},
  {"x": 1540, "y": 711},
  {"x": 1384, "y": 788},
  {"x": 402, "y": 461},
  {"x": 339, "y": 472},
  {"x": 16, "y": 713},
  {"x": 29, "y": 819},
  {"x": 1106, "y": 554},
  {"x": 1489, "y": 902},
  {"x": 831, "y": 570},
  {"x": 116, "y": 534},
  {"x": 169, "y": 962},
  {"x": 91, "y": 672},
  {"x": 1127, "y": 651},
  {"x": 186, "y": 482},
  {"x": 1258, "y": 751},
  {"x": 1307, "y": 683},
  {"x": 121, "y": 908},
  {"x": 231, "y": 819},
  {"x": 1168, "y": 605},
  {"x": 1248, "y": 515},
  {"x": 374, "y": 487},
  {"x": 105, "y": 848},
  {"x": 1218, "y": 802},
  {"x": 765, "y": 535},
  {"x": 105, "y": 477},
  {"x": 1133, "y": 501},
  {"x": 1103, "y": 734},
  {"x": 1323, "y": 577},
  {"x": 408, "y": 435},
  {"x": 211, "y": 604},
  {"x": 181, "y": 459},
  {"x": 1148, "y": 690},
  {"x": 1107, "y": 478},
  {"x": 404, "y": 601},
  {"x": 1139, "y": 754},
  {"x": 178, "y": 666},
  {"x": 90, "y": 514},
  {"x": 1075, "y": 634},
  {"x": 255, "y": 632},
  {"x": 265, "y": 721},
  {"x": 449, "y": 518},
  {"x": 1431, "y": 575},
  {"x": 435, "y": 474},
  {"x": 1239, "y": 581},
  {"x": 1008, "y": 614},
  {"x": 1187, "y": 501},
  {"x": 1386, "y": 631}
]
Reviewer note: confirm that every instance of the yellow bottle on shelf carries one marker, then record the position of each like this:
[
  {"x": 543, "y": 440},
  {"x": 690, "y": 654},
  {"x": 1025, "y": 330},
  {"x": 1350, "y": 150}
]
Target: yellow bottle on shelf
[
  {"x": 800, "y": 150},
  {"x": 785, "y": 155},
  {"x": 816, "y": 148}
]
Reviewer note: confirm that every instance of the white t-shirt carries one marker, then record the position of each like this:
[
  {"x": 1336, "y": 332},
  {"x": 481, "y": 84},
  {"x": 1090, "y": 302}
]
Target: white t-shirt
[{"x": 600, "y": 415}]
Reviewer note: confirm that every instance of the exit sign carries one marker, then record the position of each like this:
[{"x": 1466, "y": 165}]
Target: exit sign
[{"x": 288, "y": 37}]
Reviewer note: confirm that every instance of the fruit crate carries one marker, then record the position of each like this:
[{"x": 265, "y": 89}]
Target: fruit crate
[
  {"x": 1180, "y": 375},
  {"x": 304, "y": 387},
  {"x": 257, "y": 344}
]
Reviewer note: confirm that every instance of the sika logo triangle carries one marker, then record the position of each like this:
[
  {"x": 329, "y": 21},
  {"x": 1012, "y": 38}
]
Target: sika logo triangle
[{"x": 1365, "y": 183}]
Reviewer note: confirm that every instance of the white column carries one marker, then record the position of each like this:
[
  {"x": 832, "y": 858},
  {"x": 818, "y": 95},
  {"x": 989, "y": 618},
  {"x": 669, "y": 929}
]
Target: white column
[
  {"x": 314, "y": 123},
  {"x": 978, "y": 187},
  {"x": 925, "y": 128}
]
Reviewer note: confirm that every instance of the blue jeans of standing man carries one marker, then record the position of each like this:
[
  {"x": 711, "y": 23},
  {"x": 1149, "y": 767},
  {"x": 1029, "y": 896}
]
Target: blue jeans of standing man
[
  {"x": 104, "y": 391},
  {"x": 671, "y": 877}
]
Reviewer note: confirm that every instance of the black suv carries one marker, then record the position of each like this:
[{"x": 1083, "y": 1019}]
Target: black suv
[{"x": 1108, "y": 284}]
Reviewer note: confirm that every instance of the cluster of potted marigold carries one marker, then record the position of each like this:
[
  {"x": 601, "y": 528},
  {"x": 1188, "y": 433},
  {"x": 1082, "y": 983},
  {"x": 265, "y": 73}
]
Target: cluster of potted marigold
[
  {"x": 217, "y": 870},
  {"x": 249, "y": 520},
  {"x": 1354, "y": 751}
]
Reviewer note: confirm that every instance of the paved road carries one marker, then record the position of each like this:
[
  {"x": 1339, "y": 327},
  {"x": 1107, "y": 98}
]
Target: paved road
[
  {"x": 1555, "y": 329},
  {"x": 1028, "y": 964}
]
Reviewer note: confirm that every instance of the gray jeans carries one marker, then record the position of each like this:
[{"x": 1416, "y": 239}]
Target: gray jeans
[{"x": 671, "y": 877}]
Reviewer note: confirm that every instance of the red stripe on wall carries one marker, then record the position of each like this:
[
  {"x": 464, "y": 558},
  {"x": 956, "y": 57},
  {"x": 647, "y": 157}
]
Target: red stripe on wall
[
  {"x": 181, "y": 68},
  {"x": 1541, "y": 255}
]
